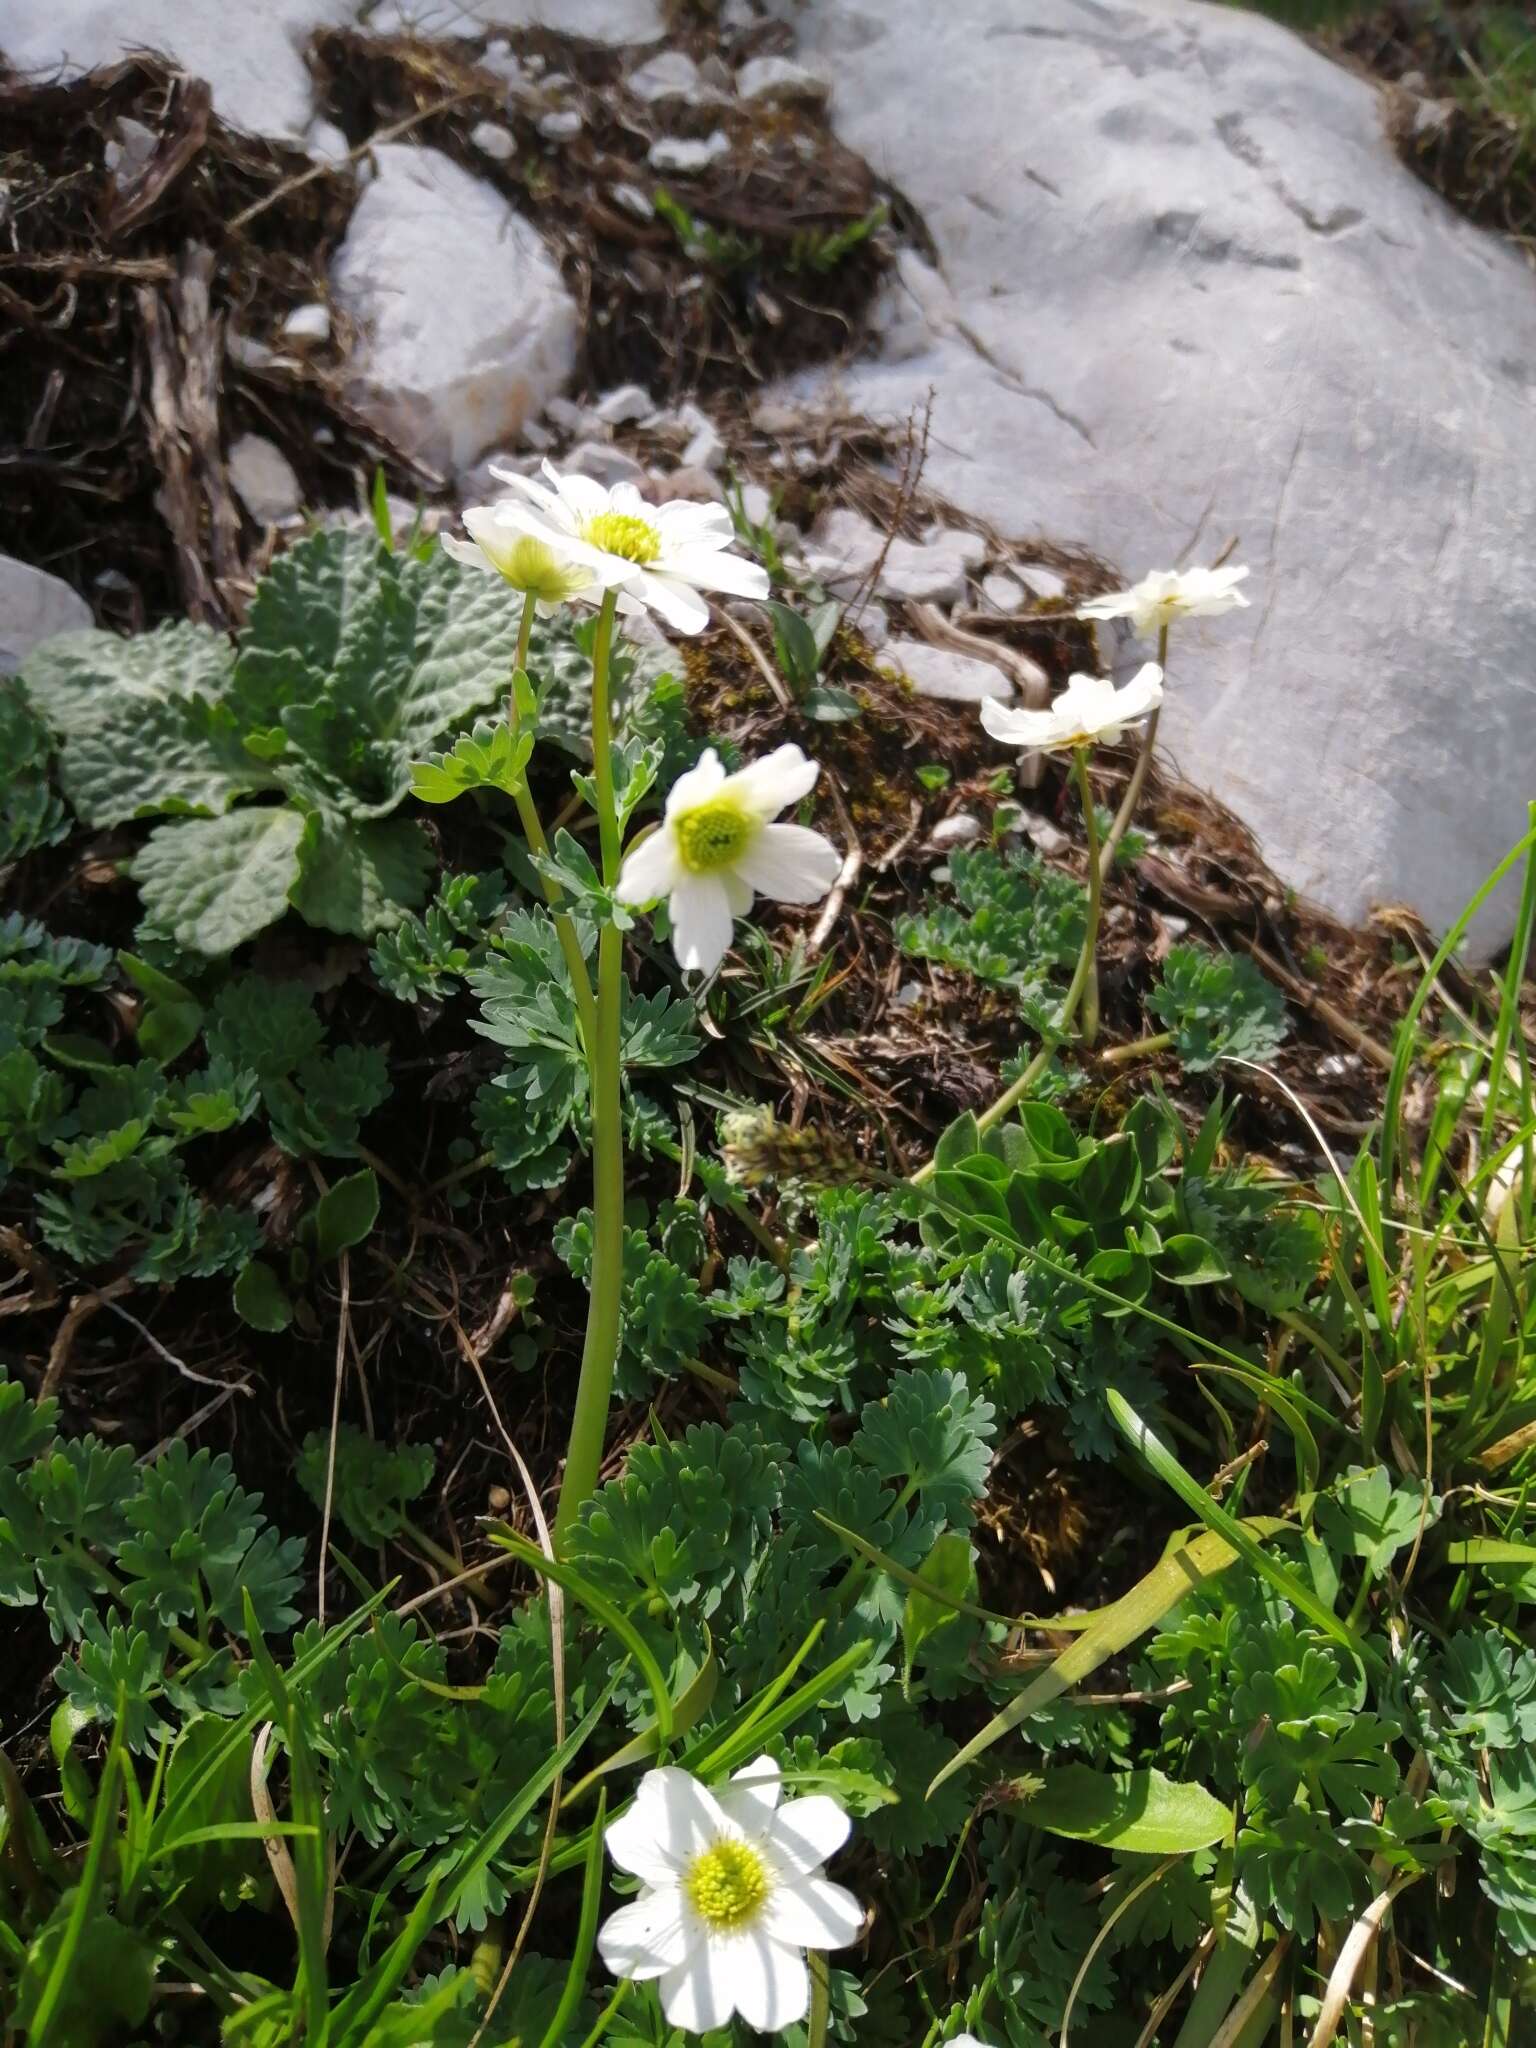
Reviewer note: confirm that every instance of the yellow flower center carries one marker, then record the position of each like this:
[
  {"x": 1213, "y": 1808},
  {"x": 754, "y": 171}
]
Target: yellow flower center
[
  {"x": 529, "y": 565},
  {"x": 712, "y": 835},
  {"x": 622, "y": 534},
  {"x": 727, "y": 1885}
]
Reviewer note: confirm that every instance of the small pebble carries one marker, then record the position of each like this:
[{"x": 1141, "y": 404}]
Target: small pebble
[
  {"x": 624, "y": 404},
  {"x": 308, "y": 323},
  {"x": 681, "y": 154},
  {"x": 494, "y": 141},
  {"x": 1002, "y": 593},
  {"x": 564, "y": 125},
  {"x": 781, "y": 80},
  {"x": 958, "y": 830},
  {"x": 633, "y": 200},
  {"x": 605, "y": 464}
]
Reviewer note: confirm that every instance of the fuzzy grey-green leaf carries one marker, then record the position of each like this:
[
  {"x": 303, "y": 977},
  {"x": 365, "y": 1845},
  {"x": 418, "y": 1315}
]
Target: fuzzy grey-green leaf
[{"x": 213, "y": 883}]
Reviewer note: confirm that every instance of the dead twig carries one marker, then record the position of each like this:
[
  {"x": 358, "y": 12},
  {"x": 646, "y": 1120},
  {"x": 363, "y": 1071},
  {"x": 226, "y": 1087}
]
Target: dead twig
[{"x": 76, "y": 1316}]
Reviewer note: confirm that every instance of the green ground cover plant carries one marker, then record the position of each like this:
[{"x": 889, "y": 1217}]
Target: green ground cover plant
[{"x": 748, "y": 1700}]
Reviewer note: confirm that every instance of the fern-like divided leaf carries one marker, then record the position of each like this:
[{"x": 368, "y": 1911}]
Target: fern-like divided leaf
[
  {"x": 1218, "y": 1006},
  {"x": 1019, "y": 923}
]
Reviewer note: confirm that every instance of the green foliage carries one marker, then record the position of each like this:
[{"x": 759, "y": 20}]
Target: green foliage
[
  {"x": 279, "y": 762},
  {"x": 373, "y": 1484},
  {"x": 31, "y": 813},
  {"x": 1019, "y": 924},
  {"x": 1217, "y": 1006}
]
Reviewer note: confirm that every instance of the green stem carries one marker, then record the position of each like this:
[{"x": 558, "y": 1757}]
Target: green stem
[
  {"x": 1082, "y": 977},
  {"x": 594, "y": 1388},
  {"x": 538, "y": 845},
  {"x": 1133, "y": 789},
  {"x": 1139, "y": 1049}
]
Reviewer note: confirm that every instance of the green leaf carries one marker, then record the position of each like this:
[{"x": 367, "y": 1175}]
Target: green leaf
[
  {"x": 950, "y": 1570},
  {"x": 172, "y": 1015},
  {"x": 76, "y": 679},
  {"x": 213, "y": 883},
  {"x": 794, "y": 644},
  {"x": 1218, "y": 1006},
  {"x": 346, "y": 1213},
  {"x": 1136, "y": 1812},
  {"x": 490, "y": 757},
  {"x": 1364, "y": 1515},
  {"x": 356, "y": 878},
  {"x": 260, "y": 1299}
]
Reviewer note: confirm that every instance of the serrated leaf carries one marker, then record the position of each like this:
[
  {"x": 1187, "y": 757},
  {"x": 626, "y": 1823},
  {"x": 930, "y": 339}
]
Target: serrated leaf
[
  {"x": 1139, "y": 1813},
  {"x": 163, "y": 758},
  {"x": 214, "y": 883},
  {"x": 74, "y": 678},
  {"x": 356, "y": 878}
]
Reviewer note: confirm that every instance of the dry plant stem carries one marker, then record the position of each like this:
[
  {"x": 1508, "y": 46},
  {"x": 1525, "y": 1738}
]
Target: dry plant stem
[
  {"x": 1138, "y": 781},
  {"x": 1082, "y": 978},
  {"x": 584, "y": 1455},
  {"x": 538, "y": 845}
]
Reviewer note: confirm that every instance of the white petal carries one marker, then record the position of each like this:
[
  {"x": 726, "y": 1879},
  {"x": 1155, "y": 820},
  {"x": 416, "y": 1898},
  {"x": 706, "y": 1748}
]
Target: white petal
[
  {"x": 710, "y": 569},
  {"x": 812, "y": 1913},
  {"x": 679, "y": 603},
  {"x": 696, "y": 785},
  {"x": 1141, "y": 695},
  {"x": 546, "y": 502},
  {"x": 739, "y": 890},
  {"x": 686, "y": 522},
  {"x": 776, "y": 781},
  {"x": 771, "y": 1984},
  {"x": 700, "y": 908},
  {"x": 651, "y": 870},
  {"x": 584, "y": 497},
  {"x": 1119, "y": 604},
  {"x": 753, "y": 1793},
  {"x": 524, "y": 519},
  {"x": 646, "y": 1937},
  {"x": 807, "y": 1831},
  {"x": 466, "y": 551},
  {"x": 696, "y": 1995},
  {"x": 790, "y": 863},
  {"x": 673, "y": 1819},
  {"x": 1019, "y": 728}
]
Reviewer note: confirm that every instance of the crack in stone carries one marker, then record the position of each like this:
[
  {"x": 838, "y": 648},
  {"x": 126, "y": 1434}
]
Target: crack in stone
[
  {"x": 1232, "y": 131},
  {"x": 1016, "y": 383}
]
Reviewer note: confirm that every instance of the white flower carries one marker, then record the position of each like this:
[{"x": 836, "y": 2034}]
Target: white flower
[
  {"x": 1169, "y": 594},
  {"x": 718, "y": 843},
  {"x": 659, "y": 556},
  {"x": 531, "y": 565},
  {"x": 965, "y": 2041},
  {"x": 732, "y": 1896},
  {"x": 1090, "y": 708}
]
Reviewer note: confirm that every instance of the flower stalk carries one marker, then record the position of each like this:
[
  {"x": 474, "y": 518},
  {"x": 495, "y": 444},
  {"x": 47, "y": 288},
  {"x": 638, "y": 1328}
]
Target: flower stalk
[
  {"x": 538, "y": 846},
  {"x": 1138, "y": 781},
  {"x": 600, "y": 1349}
]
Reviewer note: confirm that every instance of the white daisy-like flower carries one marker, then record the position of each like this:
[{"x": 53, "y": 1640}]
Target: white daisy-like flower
[
  {"x": 659, "y": 556},
  {"x": 732, "y": 1896},
  {"x": 1090, "y": 708},
  {"x": 1169, "y": 594},
  {"x": 548, "y": 574},
  {"x": 718, "y": 843}
]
